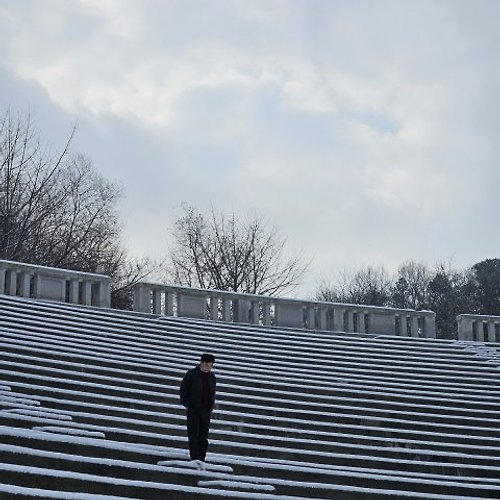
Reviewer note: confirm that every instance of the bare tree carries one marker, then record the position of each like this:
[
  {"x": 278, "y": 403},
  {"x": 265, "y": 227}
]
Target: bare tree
[
  {"x": 370, "y": 286},
  {"x": 412, "y": 286},
  {"x": 226, "y": 253},
  {"x": 56, "y": 209},
  {"x": 29, "y": 190}
]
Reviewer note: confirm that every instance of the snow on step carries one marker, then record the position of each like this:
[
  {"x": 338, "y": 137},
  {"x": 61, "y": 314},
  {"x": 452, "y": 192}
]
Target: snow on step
[
  {"x": 304, "y": 406},
  {"x": 136, "y": 347},
  {"x": 39, "y": 413},
  {"x": 210, "y": 467},
  {"x": 488, "y": 353},
  {"x": 305, "y": 343},
  {"x": 17, "y": 402},
  {"x": 359, "y": 472},
  {"x": 291, "y": 390},
  {"x": 194, "y": 491},
  {"x": 14, "y": 491},
  {"x": 438, "y": 379},
  {"x": 111, "y": 350},
  {"x": 70, "y": 431},
  {"x": 236, "y": 485}
]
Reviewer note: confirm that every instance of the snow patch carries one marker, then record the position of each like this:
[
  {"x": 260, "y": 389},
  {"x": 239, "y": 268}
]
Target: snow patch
[
  {"x": 14, "y": 491},
  {"x": 38, "y": 413},
  {"x": 190, "y": 465},
  {"x": 71, "y": 431},
  {"x": 236, "y": 485}
]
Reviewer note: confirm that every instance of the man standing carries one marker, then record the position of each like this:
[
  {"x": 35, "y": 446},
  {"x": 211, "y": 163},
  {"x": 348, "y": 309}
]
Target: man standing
[{"x": 198, "y": 397}]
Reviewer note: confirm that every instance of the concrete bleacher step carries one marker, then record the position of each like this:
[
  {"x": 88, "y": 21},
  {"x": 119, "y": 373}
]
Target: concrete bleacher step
[
  {"x": 187, "y": 463},
  {"x": 487, "y": 447},
  {"x": 337, "y": 483},
  {"x": 344, "y": 384},
  {"x": 103, "y": 318},
  {"x": 90, "y": 485},
  {"x": 73, "y": 342},
  {"x": 386, "y": 457},
  {"x": 426, "y": 367},
  {"x": 469, "y": 389},
  {"x": 178, "y": 429},
  {"x": 129, "y": 379},
  {"x": 311, "y": 414},
  {"x": 417, "y": 412},
  {"x": 282, "y": 430},
  {"x": 10, "y": 491},
  {"x": 485, "y": 407},
  {"x": 69, "y": 430},
  {"x": 236, "y": 485}
]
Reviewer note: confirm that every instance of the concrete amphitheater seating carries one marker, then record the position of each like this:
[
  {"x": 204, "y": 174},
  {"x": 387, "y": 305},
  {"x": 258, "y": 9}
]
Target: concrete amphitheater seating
[{"x": 89, "y": 409}]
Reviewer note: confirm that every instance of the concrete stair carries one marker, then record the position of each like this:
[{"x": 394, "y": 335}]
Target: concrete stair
[{"x": 89, "y": 408}]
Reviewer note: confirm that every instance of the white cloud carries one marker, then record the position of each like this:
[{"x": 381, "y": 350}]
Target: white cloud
[{"x": 330, "y": 117}]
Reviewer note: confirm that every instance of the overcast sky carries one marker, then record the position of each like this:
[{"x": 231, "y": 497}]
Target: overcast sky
[{"x": 365, "y": 131}]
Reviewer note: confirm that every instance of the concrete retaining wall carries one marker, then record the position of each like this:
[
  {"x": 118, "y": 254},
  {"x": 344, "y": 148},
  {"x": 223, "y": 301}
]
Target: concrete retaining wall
[
  {"x": 282, "y": 312},
  {"x": 61, "y": 285},
  {"x": 479, "y": 328}
]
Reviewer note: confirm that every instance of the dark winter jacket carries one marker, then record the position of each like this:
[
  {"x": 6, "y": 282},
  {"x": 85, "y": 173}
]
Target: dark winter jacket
[{"x": 191, "y": 388}]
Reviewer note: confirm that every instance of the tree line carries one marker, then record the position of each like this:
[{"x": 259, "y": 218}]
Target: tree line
[
  {"x": 416, "y": 285},
  {"x": 57, "y": 210}
]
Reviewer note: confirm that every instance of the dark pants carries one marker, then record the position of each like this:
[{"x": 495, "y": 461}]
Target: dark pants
[{"x": 198, "y": 423}]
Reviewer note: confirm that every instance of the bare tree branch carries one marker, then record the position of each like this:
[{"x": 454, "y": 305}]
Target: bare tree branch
[{"x": 226, "y": 253}]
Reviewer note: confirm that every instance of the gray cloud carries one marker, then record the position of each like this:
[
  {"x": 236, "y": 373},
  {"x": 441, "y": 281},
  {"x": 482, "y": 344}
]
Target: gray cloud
[{"x": 365, "y": 131}]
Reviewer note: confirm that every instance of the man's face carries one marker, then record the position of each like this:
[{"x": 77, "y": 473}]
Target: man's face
[{"x": 206, "y": 366}]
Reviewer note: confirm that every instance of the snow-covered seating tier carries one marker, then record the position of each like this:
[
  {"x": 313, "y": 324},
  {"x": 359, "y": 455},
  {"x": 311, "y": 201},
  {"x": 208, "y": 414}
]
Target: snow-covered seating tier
[{"x": 89, "y": 409}]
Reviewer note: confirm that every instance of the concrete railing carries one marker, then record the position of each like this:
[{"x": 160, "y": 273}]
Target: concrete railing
[
  {"x": 478, "y": 327},
  {"x": 40, "y": 282},
  {"x": 218, "y": 305}
]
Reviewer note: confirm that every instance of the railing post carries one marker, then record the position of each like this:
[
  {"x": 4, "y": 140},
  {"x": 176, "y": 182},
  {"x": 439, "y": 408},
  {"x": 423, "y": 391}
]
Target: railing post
[
  {"x": 104, "y": 294},
  {"x": 322, "y": 318},
  {"x": 242, "y": 310},
  {"x": 74, "y": 290},
  {"x": 429, "y": 322},
  {"x": 266, "y": 313},
  {"x": 255, "y": 312},
  {"x": 169, "y": 303},
  {"x": 491, "y": 331},
  {"x": 12, "y": 282},
  {"x": 156, "y": 302},
  {"x": 414, "y": 325},
  {"x": 310, "y": 317},
  {"x": 25, "y": 284},
  {"x": 361, "y": 322},
  {"x": 479, "y": 326},
  {"x": 465, "y": 327},
  {"x": 226, "y": 309},
  {"x": 350, "y": 321},
  {"x": 338, "y": 319},
  {"x": 87, "y": 293},
  {"x": 142, "y": 298},
  {"x": 214, "y": 308}
]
